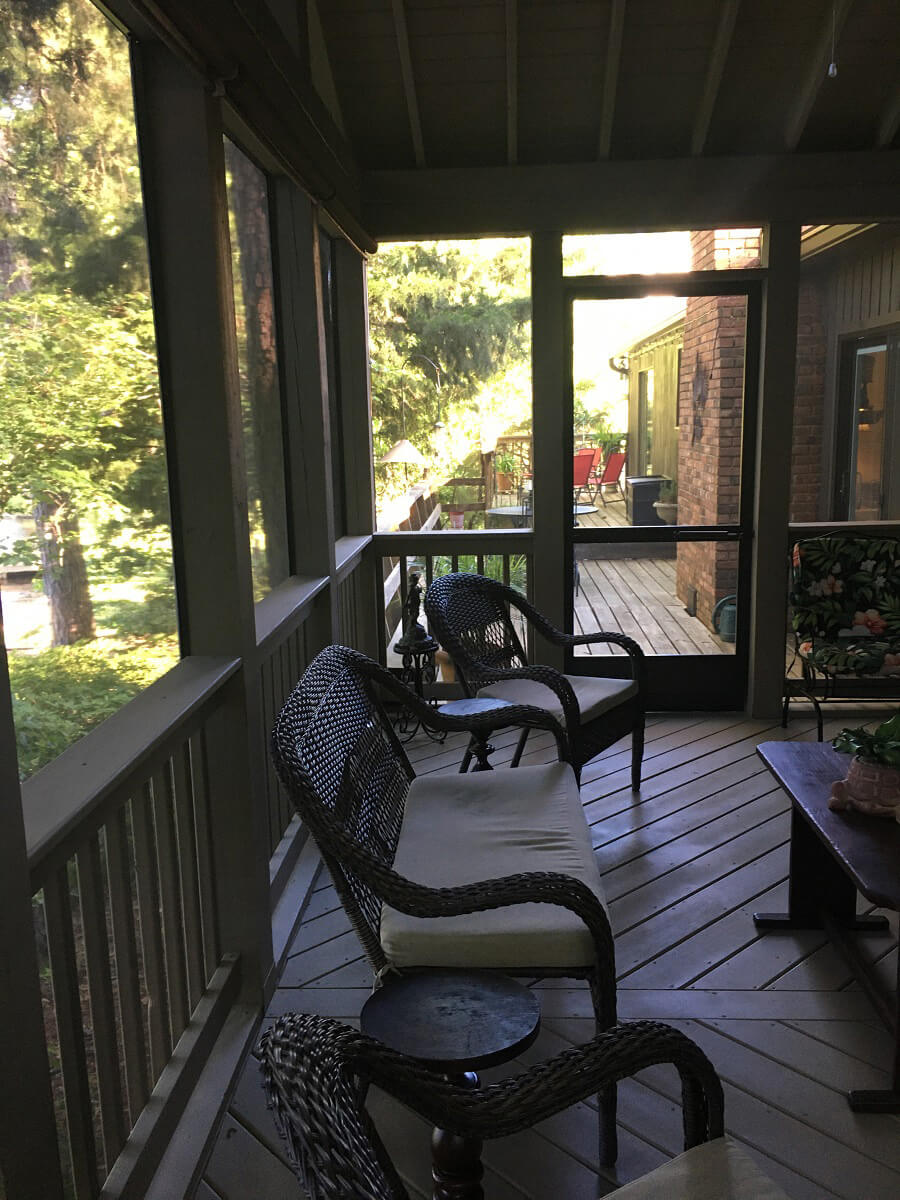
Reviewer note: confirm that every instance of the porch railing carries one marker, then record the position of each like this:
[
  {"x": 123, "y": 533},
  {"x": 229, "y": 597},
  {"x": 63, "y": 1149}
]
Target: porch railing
[
  {"x": 125, "y": 908},
  {"x": 506, "y": 556}
]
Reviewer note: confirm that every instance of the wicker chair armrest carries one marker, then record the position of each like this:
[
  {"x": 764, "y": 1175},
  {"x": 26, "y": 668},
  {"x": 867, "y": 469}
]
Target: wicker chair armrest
[
  {"x": 502, "y": 717},
  {"x": 516, "y": 1103},
  {"x": 548, "y": 676},
  {"x": 574, "y": 1074}
]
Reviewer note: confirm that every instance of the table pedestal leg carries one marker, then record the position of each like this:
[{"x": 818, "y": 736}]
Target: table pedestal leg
[
  {"x": 481, "y": 748},
  {"x": 821, "y": 896},
  {"x": 456, "y": 1161},
  {"x": 883, "y": 1100},
  {"x": 817, "y": 884}
]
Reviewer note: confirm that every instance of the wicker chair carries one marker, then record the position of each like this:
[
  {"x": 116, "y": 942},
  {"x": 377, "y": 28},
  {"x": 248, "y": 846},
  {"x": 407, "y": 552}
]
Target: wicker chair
[
  {"x": 470, "y": 616},
  {"x": 316, "y": 1072},
  {"x": 349, "y": 777}
]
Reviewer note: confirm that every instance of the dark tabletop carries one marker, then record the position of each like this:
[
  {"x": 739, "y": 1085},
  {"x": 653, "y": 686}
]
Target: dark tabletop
[
  {"x": 453, "y": 1021},
  {"x": 868, "y": 848}
]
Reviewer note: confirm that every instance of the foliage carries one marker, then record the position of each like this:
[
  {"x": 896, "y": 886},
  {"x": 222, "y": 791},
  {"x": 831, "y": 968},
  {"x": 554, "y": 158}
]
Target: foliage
[
  {"x": 79, "y": 408},
  {"x": 70, "y": 204},
  {"x": 60, "y": 694},
  {"x": 881, "y": 745},
  {"x": 450, "y": 337}
]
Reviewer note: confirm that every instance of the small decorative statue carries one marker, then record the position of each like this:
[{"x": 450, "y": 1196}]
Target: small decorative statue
[{"x": 412, "y": 630}]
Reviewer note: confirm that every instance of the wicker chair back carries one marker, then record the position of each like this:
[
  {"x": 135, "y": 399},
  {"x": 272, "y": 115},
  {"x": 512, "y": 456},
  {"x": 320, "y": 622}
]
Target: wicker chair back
[
  {"x": 470, "y": 615},
  {"x": 348, "y": 775}
]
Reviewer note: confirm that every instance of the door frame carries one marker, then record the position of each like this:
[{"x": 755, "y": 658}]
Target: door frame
[{"x": 686, "y": 682}]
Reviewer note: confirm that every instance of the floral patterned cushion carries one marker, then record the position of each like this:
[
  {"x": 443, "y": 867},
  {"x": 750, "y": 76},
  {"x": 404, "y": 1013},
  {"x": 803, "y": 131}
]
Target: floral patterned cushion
[
  {"x": 845, "y": 602},
  {"x": 853, "y": 657}
]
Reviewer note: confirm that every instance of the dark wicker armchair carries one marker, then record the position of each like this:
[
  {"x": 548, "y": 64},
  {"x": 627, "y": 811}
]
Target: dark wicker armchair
[
  {"x": 470, "y": 616},
  {"x": 316, "y": 1072},
  {"x": 349, "y": 778}
]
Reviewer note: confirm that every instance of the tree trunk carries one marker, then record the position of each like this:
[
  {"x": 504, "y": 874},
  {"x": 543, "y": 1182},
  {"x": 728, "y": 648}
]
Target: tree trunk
[
  {"x": 65, "y": 576},
  {"x": 262, "y": 403}
]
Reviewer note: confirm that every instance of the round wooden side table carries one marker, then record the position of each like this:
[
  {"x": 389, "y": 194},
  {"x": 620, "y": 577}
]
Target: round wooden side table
[
  {"x": 456, "y": 1023},
  {"x": 479, "y": 746}
]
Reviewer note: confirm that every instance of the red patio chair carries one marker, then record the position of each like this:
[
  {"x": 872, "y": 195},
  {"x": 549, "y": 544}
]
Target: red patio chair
[
  {"x": 582, "y": 462},
  {"x": 612, "y": 474}
]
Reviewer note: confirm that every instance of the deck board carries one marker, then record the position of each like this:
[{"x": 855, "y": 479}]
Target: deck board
[{"x": 686, "y": 861}]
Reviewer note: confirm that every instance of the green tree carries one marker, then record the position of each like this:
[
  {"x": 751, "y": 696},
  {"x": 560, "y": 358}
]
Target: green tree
[
  {"x": 78, "y": 397},
  {"x": 80, "y": 427},
  {"x": 467, "y": 308}
]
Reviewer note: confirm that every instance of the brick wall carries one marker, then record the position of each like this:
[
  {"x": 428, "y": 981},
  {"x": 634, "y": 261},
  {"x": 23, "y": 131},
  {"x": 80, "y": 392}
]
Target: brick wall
[
  {"x": 710, "y": 419},
  {"x": 809, "y": 403}
]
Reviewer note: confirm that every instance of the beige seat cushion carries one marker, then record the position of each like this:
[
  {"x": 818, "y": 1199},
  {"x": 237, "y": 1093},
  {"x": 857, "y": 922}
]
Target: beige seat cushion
[
  {"x": 469, "y": 828},
  {"x": 595, "y": 696},
  {"x": 717, "y": 1170}
]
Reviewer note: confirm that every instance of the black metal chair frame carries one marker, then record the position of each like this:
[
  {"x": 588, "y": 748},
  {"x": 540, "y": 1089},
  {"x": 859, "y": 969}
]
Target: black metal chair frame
[
  {"x": 470, "y": 616},
  {"x": 348, "y": 775},
  {"x": 316, "y": 1073}
]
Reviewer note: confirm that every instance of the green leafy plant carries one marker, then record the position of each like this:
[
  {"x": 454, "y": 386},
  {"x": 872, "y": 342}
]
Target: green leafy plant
[
  {"x": 881, "y": 745},
  {"x": 506, "y": 461}
]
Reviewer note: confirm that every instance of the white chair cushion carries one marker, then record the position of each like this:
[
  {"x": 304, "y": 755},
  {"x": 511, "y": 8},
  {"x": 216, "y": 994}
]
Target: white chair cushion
[
  {"x": 717, "y": 1170},
  {"x": 595, "y": 696},
  {"x": 469, "y": 828}
]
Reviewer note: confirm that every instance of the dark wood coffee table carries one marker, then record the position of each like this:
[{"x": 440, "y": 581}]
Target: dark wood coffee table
[
  {"x": 456, "y": 1023},
  {"x": 834, "y": 855}
]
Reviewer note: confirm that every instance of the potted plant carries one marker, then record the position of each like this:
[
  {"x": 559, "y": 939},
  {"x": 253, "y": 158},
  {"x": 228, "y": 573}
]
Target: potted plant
[
  {"x": 873, "y": 781},
  {"x": 666, "y": 504},
  {"x": 505, "y": 466}
]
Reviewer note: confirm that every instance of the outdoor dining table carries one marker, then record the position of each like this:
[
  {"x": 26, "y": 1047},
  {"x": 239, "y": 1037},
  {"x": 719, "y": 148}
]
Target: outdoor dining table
[{"x": 519, "y": 514}]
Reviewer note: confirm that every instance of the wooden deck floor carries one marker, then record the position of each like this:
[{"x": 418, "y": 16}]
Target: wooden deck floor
[
  {"x": 636, "y": 596},
  {"x": 685, "y": 863}
]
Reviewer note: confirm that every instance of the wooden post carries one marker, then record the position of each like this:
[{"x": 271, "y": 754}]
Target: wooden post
[
  {"x": 181, "y": 145},
  {"x": 768, "y": 612},
  {"x": 29, "y": 1158},
  {"x": 304, "y": 382},
  {"x": 551, "y": 380},
  {"x": 356, "y": 425}
]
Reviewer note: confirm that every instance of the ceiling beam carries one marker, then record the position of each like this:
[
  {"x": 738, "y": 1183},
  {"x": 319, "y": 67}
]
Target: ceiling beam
[
  {"x": 512, "y": 82},
  {"x": 611, "y": 78},
  {"x": 889, "y": 121},
  {"x": 721, "y": 45},
  {"x": 833, "y": 21},
  {"x": 684, "y": 193},
  {"x": 409, "y": 82}
]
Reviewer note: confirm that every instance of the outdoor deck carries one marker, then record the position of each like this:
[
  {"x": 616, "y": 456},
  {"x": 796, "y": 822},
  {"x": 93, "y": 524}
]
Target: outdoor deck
[
  {"x": 685, "y": 864},
  {"x": 636, "y": 596}
]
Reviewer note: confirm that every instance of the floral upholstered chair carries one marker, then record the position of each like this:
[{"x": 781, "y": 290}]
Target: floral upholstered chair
[{"x": 845, "y": 613}]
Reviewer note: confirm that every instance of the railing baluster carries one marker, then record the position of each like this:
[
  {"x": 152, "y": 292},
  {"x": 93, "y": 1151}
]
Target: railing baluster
[
  {"x": 170, "y": 895},
  {"x": 103, "y": 1016},
  {"x": 187, "y": 870},
  {"x": 479, "y": 564},
  {"x": 429, "y": 570},
  {"x": 454, "y": 562},
  {"x": 209, "y": 913},
  {"x": 70, "y": 1032},
  {"x": 118, "y": 867},
  {"x": 151, "y": 931},
  {"x": 506, "y": 571}
]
